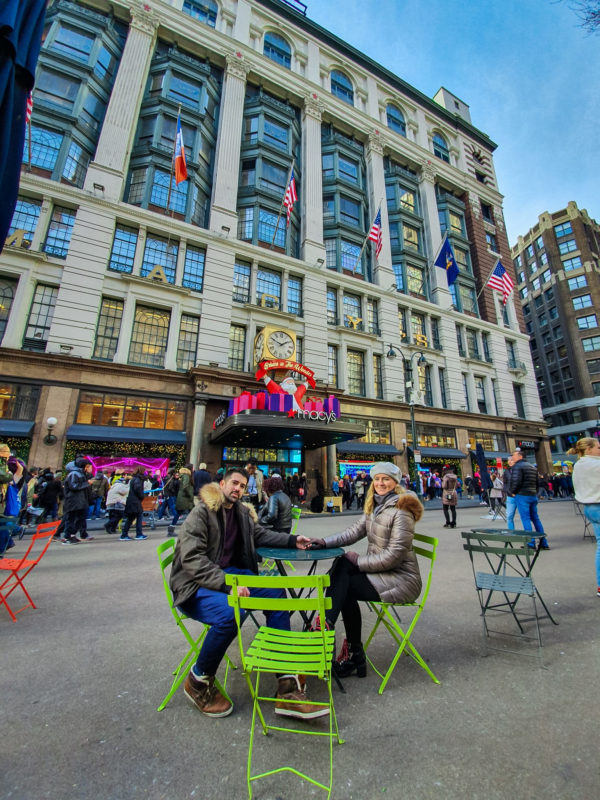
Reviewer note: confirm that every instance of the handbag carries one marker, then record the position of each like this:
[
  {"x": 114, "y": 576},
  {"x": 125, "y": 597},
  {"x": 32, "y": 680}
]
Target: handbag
[
  {"x": 12, "y": 507},
  {"x": 449, "y": 497}
]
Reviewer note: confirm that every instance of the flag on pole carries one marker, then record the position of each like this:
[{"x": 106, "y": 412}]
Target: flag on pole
[
  {"x": 180, "y": 165},
  {"x": 501, "y": 281},
  {"x": 290, "y": 196},
  {"x": 446, "y": 261},
  {"x": 375, "y": 233},
  {"x": 28, "y": 108}
]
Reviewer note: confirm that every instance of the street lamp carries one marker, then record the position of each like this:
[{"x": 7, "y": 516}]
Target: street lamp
[{"x": 409, "y": 384}]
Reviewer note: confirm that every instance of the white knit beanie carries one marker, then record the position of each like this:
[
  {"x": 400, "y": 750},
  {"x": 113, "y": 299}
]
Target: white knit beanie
[{"x": 386, "y": 468}]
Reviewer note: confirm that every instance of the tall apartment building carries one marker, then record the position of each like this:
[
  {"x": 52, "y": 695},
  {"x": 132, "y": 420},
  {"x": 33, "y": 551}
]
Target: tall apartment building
[
  {"x": 557, "y": 264},
  {"x": 135, "y": 310}
]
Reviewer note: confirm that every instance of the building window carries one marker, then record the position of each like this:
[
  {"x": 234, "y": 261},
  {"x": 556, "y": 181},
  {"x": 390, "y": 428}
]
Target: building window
[
  {"x": 583, "y": 301},
  {"x": 332, "y": 365},
  {"x": 468, "y": 299},
  {"x": 459, "y": 339},
  {"x": 485, "y": 338},
  {"x": 25, "y": 218},
  {"x": 567, "y": 246},
  {"x": 45, "y": 147},
  {"x": 160, "y": 252},
  {"x": 593, "y": 365},
  {"x": 572, "y": 263},
  {"x": 277, "y": 49},
  {"x": 587, "y": 322},
  {"x": 8, "y": 287},
  {"x": 123, "y": 249},
  {"x": 417, "y": 324},
  {"x": 372, "y": 317},
  {"x": 204, "y": 10},
  {"x": 473, "y": 344},
  {"x": 187, "y": 346},
  {"x": 436, "y": 341},
  {"x": 341, "y": 86},
  {"x": 18, "y": 401},
  {"x": 294, "y": 296},
  {"x": 74, "y": 43},
  {"x": 159, "y": 192},
  {"x": 355, "y": 367},
  {"x": 193, "y": 268},
  {"x": 415, "y": 281},
  {"x": 268, "y": 288},
  {"x": 443, "y": 394},
  {"x": 149, "y": 337},
  {"x": 59, "y": 232},
  {"x": 546, "y": 275},
  {"x": 466, "y": 391},
  {"x": 580, "y": 282},
  {"x": 241, "y": 282},
  {"x": 486, "y": 212},
  {"x": 377, "y": 377},
  {"x": 563, "y": 230},
  {"x": 352, "y": 312},
  {"x": 108, "y": 329},
  {"x": 535, "y": 284},
  {"x": 237, "y": 347},
  {"x": 518, "y": 392},
  {"x": 440, "y": 147},
  {"x": 130, "y": 411},
  {"x": 480, "y": 395},
  {"x": 395, "y": 119},
  {"x": 40, "y": 317},
  {"x": 524, "y": 292},
  {"x": 492, "y": 242},
  {"x": 271, "y": 228},
  {"x": 332, "y": 318}
]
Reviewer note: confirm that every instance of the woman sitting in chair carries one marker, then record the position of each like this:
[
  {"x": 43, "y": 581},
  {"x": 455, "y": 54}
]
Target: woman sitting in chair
[
  {"x": 277, "y": 511},
  {"x": 388, "y": 572}
]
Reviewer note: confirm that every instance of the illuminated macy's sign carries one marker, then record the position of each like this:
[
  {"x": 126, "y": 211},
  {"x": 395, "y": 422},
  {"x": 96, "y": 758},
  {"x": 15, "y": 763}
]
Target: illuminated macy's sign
[{"x": 321, "y": 415}]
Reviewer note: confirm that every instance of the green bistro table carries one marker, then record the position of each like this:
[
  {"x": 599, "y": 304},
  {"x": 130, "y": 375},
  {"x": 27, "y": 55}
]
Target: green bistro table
[{"x": 524, "y": 569}]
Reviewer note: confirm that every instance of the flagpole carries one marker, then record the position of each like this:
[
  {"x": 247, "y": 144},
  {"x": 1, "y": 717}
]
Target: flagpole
[
  {"x": 29, "y": 144},
  {"x": 486, "y": 280},
  {"x": 439, "y": 250},
  {"x": 287, "y": 183},
  {"x": 173, "y": 162},
  {"x": 366, "y": 239}
]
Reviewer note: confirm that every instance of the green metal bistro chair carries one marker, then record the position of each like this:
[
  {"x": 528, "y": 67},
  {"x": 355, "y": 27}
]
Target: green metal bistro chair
[
  {"x": 296, "y": 513},
  {"x": 307, "y": 653},
  {"x": 425, "y": 547},
  {"x": 508, "y": 563},
  {"x": 166, "y": 553}
]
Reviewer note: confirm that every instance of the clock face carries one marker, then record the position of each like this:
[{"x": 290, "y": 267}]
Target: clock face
[
  {"x": 258, "y": 347},
  {"x": 281, "y": 344}
]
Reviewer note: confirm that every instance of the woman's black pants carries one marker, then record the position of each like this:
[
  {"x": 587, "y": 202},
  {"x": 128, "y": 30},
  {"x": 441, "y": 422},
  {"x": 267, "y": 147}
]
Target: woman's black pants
[
  {"x": 348, "y": 586},
  {"x": 450, "y": 511}
]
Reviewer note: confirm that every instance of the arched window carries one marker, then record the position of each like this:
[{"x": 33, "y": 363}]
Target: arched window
[
  {"x": 204, "y": 10},
  {"x": 395, "y": 119},
  {"x": 341, "y": 86},
  {"x": 440, "y": 147},
  {"x": 277, "y": 49}
]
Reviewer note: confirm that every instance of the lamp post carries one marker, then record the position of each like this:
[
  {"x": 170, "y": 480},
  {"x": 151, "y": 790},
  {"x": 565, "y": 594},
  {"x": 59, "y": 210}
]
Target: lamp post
[{"x": 409, "y": 384}]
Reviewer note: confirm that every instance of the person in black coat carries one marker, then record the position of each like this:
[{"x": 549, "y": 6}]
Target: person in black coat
[
  {"x": 47, "y": 494},
  {"x": 201, "y": 476},
  {"x": 277, "y": 511},
  {"x": 133, "y": 506},
  {"x": 77, "y": 499}
]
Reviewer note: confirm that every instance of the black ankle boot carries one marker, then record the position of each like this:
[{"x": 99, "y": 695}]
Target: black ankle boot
[{"x": 356, "y": 662}]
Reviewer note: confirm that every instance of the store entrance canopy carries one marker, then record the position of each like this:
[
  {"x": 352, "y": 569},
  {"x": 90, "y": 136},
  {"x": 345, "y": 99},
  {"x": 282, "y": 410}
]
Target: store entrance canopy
[{"x": 256, "y": 429}]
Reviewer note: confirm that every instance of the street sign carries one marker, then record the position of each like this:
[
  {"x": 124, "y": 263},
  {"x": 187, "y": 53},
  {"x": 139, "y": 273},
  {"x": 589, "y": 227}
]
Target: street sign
[{"x": 417, "y": 456}]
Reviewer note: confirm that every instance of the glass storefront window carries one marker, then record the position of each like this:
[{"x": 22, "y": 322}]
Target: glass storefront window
[
  {"x": 434, "y": 436},
  {"x": 128, "y": 411},
  {"x": 491, "y": 441}
]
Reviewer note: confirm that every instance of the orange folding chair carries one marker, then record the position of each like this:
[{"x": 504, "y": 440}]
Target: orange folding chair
[{"x": 19, "y": 568}]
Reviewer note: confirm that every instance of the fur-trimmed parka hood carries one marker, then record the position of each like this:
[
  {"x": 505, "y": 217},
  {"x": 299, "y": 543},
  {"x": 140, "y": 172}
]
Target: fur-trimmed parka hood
[
  {"x": 213, "y": 497},
  {"x": 408, "y": 501}
]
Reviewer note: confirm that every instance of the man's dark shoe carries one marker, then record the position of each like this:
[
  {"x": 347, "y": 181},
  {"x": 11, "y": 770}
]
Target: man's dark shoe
[
  {"x": 205, "y": 695},
  {"x": 293, "y": 702},
  {"x": 70, "y": 540},
  {"x": 544, "y": 543}
]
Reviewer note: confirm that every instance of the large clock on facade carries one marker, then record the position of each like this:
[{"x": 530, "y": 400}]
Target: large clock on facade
[{"x": 274, "y": 343}]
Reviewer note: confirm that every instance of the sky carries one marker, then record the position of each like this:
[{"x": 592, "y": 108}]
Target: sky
[{"x": 528, "y": 71}]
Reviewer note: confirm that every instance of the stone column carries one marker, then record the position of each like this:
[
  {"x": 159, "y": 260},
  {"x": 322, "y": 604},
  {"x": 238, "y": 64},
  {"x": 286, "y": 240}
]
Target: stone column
[
  {"x": 331, "y": 467},
  {"x": 106, "y": 173},
  {"x": 197, "y": 438},
  {"x": 440, "y": 293},
  {"x": 311, "y": 194},
  {"x": 227, "y": 155},
  {"x": 383, "y": 273}
]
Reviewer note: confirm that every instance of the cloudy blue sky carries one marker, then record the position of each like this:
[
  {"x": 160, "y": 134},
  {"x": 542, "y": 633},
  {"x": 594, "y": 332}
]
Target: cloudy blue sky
[{"x": 528, "y": 72}]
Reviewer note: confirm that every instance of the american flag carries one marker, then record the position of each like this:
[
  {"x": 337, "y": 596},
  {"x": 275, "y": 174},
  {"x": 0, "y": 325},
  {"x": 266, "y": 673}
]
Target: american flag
[
  {"x": 290, "y": 196},
  {"x": 375, "y": 233},
  {"x": 501, "y": 281},
  {"x": 28, "y": 108}
]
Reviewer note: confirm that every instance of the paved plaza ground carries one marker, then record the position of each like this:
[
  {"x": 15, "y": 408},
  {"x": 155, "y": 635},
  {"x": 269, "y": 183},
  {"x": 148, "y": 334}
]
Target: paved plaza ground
[{"x": 83, "y": 674}]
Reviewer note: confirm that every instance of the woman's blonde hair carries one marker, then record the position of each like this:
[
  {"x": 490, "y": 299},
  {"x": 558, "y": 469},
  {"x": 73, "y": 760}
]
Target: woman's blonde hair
[
  {"x": 582, "y": 446},
  {"x": 370, "y": 503}
]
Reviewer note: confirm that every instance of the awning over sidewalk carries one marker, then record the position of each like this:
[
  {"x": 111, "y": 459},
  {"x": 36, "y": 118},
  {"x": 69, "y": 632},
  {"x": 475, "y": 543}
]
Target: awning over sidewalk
[
  {"x": 497, "y": 454},
  {"x": 260, "y": 429},
  {"x": 112, "y": 433},
  {"x": 16, "y": 427},
  {"x": 441, "y": 452},
  {"x": 364, "y": 448}
]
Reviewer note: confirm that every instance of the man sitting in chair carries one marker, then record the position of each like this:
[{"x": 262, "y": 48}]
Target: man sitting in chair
[{"x": 220, "y": 535}]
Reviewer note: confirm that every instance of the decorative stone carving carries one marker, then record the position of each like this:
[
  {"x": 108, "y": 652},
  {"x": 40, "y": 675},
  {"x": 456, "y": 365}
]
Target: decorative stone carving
[
  {"x": 475, "y": 204},
  {"x": 375, "y": 142},
  {"x": 143, "y": 18},
  {"x": 313, "y": 106},
  {"x": 428, "y": 171},
  {"x": 499, "y": 217},
  {"x": 236, "y": 66}
]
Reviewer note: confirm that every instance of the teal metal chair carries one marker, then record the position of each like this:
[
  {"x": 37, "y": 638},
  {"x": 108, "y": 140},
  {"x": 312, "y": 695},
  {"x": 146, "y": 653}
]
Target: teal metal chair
[
  {"x": 387, "y": 616},
  {"x": 166, "y": 553},
  {"x": 307, "y": 653}
]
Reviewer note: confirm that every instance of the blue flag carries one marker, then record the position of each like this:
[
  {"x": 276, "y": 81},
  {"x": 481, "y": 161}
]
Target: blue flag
[{"x": 446, "y": 261}]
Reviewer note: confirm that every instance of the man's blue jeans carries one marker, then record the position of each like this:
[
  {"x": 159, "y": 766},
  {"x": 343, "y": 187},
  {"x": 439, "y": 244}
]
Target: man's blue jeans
[
  {"x": 95, "y": 509},
  {"x": 592, "y": 512},
  {"x": 168, "y": 502},
  {"x": 213, "y": 609},
  {"x": 527, "y": 508},
  {"x": 511, "y": 508}
]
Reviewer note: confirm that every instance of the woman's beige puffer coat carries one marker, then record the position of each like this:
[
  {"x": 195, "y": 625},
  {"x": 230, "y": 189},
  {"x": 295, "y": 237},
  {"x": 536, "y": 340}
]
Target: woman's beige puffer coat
[{"x": 390, "y": 562}]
